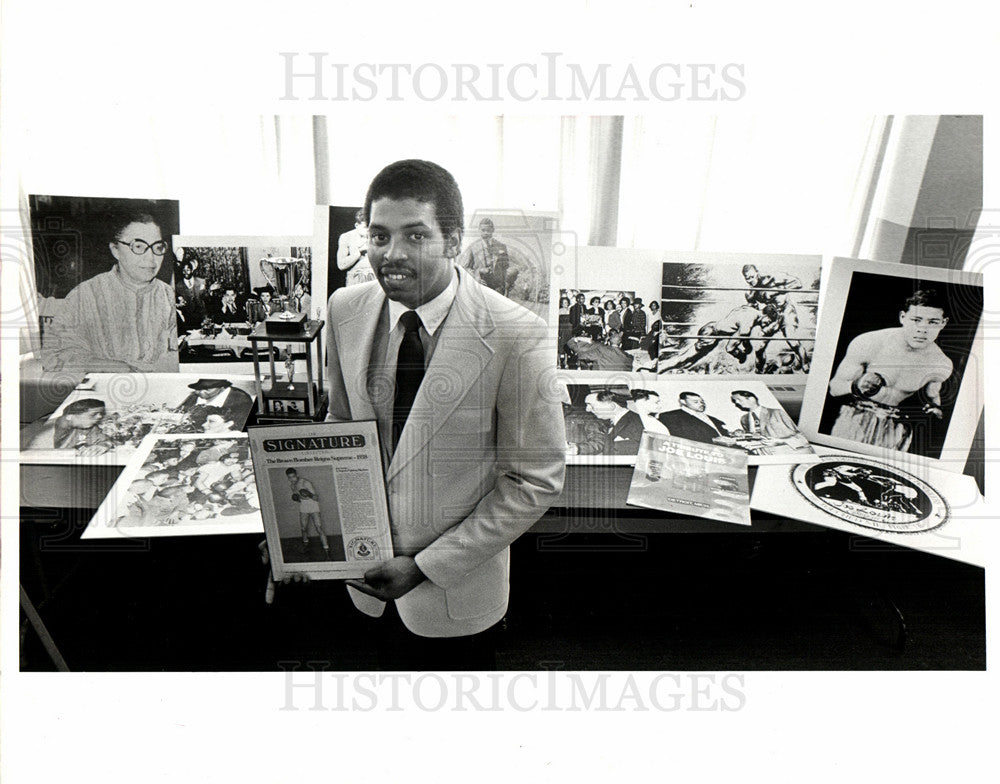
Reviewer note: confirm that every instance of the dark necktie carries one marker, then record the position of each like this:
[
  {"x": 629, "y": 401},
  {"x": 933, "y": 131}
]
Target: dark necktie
[{"x": 409, "y": 372}]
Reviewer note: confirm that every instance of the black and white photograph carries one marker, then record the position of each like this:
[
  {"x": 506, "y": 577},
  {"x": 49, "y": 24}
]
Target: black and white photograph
[
  {"x": 308, "y": 522},
  {"x": 291, "y": 407},
  {"x": 498, "y": 546},
  {"x": 608, "y": 331},
  {"x": 182, "y": 485},
  {"x": 606, "y": 309},
  {"x": 739, "y": 314},
  {"x": 901, "y": 501},
  {"x": 605, "y": 422},
  {"x": 104, "y": 419},
  {"x": 510, "y": 251},
  {"x": 899, "y": 362},
  {"x": 340, "y": 241},
  {"x": 742, "y": 414},
  {"x": 323, "y": 499},
  {"x": 226, "y": 286},
  {"x": 104, "y": 276}
]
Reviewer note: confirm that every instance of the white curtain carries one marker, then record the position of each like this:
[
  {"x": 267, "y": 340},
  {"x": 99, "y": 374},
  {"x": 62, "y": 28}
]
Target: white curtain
[
  {"x": 774, "y": 184},
  {"x": 245, "y": 176},
  {"x": 751, "y": 184}
]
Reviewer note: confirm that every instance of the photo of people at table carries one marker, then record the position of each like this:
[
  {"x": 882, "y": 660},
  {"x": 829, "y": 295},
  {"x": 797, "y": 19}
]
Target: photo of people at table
[
  {"x": 605, "y": 422},
  {"x": 222, "y": 293}
]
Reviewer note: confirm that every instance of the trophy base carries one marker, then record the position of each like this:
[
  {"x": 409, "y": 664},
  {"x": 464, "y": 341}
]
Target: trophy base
[
  {"x": 285, "y": 323},
  {"x": 285, "y": 402}
]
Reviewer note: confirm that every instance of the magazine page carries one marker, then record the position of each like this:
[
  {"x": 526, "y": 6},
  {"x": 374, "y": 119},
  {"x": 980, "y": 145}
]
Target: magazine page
[
  {"x": 691, "y": 478},
  {"x": 322, "y": 496}
]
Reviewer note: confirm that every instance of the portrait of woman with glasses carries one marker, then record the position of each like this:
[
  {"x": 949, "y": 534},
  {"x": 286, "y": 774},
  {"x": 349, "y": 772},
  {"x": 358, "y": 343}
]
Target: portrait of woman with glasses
[{"x": 123, "y": 318}]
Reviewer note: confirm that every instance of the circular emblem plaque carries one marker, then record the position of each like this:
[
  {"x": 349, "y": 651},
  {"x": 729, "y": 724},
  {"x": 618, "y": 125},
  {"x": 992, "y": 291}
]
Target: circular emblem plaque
[{"x": 871, "y": 494}]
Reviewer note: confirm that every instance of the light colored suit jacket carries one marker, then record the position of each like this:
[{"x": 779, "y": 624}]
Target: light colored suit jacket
[{"x": 480, "y": 459}]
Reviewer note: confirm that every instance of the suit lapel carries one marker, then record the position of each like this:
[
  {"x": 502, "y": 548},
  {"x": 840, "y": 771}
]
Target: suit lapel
[
  {"x": 460, "y": 357},
  {"x": 358, "y": 322}
]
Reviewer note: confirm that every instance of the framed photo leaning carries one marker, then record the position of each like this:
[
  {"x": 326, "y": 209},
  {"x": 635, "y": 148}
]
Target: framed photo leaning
[
  {"x": 322, "y": 498},
  {"x": 898, "y": 366}
]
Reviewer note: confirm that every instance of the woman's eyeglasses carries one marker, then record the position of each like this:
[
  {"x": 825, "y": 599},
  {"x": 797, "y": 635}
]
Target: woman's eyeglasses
[{"x": 139, "y": 247}]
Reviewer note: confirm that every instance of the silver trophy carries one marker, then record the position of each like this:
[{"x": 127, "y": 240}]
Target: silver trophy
[{"x": 284, "y": 273}]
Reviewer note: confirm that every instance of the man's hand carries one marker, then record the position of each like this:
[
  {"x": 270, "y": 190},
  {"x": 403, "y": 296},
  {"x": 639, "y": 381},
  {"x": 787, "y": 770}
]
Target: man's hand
[
  {"x": 265, "y": 558},
  {"x": 868, "y": 384},
  {"x": 390, "y": 579}
]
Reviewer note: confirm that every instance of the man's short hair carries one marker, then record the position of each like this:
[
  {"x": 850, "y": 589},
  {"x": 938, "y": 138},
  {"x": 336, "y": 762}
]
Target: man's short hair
[
  {"x": 81, "y": 406},
  {"x": 643, "y": 394},
  {"x": 626, "y": 300},
  {"x": 686, "y": 395},
  {"x": 743, "y": 393},
  {"x": 748, "y": 267},
  {"x": 925, "y": 298},
  {"x": 606, "y": 395},
  {"x": 425, "y": 182},
  {"x": 290, "y": 471},
  {"x": 486, "y": 223}
]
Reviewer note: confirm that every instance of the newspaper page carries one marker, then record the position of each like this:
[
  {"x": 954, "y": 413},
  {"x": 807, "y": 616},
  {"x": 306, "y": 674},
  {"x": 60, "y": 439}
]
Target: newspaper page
[{"x": 322, "y": 498}]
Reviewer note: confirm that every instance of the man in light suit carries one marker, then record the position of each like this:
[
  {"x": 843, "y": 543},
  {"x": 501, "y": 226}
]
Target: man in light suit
[
  {"x": 773, "y": 425},
  {"x": 480, "y": 457}
]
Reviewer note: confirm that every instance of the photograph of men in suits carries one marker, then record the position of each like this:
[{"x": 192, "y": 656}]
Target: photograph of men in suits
[
  {"x": 690, "y": 421},
  {"x": 472, "y": 444},
  {"x": 227, "y": 309},
  {"x": 775, "y": 429},
  {"x": 487, "y": 258},
  {"x": 625, "y": 426},
  {"x": 216, "y": 396},
  {"x": 192, "y": 295}
]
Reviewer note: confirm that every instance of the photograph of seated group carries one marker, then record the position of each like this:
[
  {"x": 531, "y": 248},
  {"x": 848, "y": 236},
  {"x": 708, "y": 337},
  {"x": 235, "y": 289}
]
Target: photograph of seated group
[
  {"x": 225, "y": 287},
  {"x": 440, "y": 388}
]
